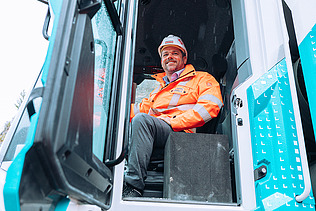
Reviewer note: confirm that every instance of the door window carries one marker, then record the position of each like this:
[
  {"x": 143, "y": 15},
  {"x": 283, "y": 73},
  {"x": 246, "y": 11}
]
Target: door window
[{"x": 104, "y": 42}]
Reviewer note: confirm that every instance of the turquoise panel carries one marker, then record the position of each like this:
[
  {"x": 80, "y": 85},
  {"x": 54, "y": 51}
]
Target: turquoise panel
[
  {"x": 14, "y": 173},
  {"x": 307, "y": 51},
  {"x": 62, "y": 205},
  {"x": 275, "y": 143}
]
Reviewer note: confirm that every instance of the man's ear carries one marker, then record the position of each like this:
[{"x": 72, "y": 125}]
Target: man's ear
[{"x": 185, "y": 59}]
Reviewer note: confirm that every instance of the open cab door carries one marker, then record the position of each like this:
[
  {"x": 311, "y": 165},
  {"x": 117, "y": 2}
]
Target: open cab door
[
  {"x": 301, "y": 25},
  {"x": 64, "y": 152}
]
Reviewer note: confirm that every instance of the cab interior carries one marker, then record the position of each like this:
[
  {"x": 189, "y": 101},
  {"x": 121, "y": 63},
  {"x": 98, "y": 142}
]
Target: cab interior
[{"x": 206, "y": 28}]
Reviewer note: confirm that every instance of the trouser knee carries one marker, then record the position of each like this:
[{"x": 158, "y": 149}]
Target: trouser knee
[
  {"x": 141, "y": 129},
  {"x": 140, "y": 119}
]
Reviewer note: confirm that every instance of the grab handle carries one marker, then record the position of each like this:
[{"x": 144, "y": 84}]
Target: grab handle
[{"x": 46, "y": 25}]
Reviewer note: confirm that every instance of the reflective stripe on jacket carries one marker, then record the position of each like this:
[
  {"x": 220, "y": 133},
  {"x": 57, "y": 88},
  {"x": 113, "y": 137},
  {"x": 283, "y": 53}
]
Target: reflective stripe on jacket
[{"x": 190, "y": 101}]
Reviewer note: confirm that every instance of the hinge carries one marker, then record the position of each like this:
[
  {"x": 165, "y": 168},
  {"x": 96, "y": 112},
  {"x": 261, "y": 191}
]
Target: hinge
[{"x": 260, "y": 172}]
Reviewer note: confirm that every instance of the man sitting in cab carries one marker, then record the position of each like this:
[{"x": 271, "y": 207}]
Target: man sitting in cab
[{"x": 184, "y": 100}]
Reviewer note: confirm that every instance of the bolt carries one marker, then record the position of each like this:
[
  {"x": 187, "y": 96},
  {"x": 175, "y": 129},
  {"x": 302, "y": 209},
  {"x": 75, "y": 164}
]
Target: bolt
[{"x": 239, "y": 122}]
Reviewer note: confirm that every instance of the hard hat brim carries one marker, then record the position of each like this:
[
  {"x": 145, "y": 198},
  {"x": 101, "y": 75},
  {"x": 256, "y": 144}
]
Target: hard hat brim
[{"x": 171, "y": 45}]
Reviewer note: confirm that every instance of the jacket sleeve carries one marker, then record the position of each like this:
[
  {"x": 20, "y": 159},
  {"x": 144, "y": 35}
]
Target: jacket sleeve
[
  {"x": 142, "y": 107},
  {"x": 207, "y": 107}
]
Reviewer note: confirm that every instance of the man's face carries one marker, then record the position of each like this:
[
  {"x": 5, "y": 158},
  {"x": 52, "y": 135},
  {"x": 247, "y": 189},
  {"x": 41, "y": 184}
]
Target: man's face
[{"x": 172, "y": 59}]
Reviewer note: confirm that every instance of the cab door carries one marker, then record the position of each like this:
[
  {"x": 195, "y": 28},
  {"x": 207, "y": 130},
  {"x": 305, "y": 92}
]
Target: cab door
[
  {"x": 265, "y": 112},
  {"x": 70, "y": 134},
  {"x": 302, "y": 25}
]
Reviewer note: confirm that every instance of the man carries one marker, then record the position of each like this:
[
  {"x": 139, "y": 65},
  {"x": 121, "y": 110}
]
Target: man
[{"x": 186, "y": 99}]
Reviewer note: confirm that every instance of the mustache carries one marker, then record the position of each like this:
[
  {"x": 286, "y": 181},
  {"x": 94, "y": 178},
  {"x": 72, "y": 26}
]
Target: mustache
[{"x": 170, "y": 60}]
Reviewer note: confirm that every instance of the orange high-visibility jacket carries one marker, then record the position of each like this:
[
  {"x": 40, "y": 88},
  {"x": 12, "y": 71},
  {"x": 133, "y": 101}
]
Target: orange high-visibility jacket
[{"x": 190, "y": 101}]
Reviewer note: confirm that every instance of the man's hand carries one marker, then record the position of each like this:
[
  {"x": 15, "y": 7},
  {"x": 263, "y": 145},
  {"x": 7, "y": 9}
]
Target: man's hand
[{"x": 164, "y": 118}]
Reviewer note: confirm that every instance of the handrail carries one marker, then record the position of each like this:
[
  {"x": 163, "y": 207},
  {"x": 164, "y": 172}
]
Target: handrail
[
  {"x": 46, "y": 25},
  {"x": 115, "y": 20},
  {"x": 120, "y": 158},
  {"x": 307, "y": 179}
]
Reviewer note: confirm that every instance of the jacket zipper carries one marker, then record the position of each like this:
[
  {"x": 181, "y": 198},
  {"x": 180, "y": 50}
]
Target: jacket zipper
[{"x": 170, "y": 83}]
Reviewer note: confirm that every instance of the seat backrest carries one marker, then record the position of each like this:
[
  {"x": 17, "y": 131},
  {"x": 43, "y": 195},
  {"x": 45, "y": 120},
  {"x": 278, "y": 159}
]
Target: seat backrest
[{"x": 211, "y": 126}]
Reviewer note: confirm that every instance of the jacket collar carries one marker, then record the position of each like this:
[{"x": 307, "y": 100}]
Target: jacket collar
[{"x": 187, "y": 72}]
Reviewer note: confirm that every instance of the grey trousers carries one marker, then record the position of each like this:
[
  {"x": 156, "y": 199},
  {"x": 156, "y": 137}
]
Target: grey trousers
[{"x": 147, "y": 134}]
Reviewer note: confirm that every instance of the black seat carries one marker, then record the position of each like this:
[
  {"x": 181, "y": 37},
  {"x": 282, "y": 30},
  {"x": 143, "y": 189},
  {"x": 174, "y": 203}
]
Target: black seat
[
  {"x": 211, "y": 126},
  {"x": 155, "y": 170},
  {"x": 197, "y": 167}
]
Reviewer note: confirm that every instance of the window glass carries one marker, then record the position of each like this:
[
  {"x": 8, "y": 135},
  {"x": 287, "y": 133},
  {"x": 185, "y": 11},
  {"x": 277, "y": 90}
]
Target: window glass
[
  {"x": 19, "y": 137},
  {"x": 105, "y": 41},
  {"x": 143, "y": 90}
]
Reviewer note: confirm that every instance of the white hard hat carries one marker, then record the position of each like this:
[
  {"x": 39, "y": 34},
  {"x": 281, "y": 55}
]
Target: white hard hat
[{"x": 172, "y": 40}]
